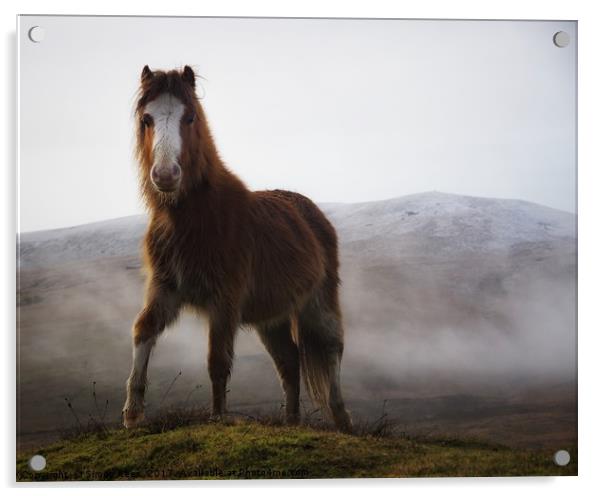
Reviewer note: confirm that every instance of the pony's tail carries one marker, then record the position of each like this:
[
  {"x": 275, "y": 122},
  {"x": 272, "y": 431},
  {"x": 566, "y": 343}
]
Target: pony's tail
[
  {"x": 313, "y": 359},
  {"x": 318, "y": 333}
]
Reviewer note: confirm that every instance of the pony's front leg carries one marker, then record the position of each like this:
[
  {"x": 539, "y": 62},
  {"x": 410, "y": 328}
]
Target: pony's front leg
[
  {"x": 160, "y": 310},
  {"x": 222, "y": 329}
]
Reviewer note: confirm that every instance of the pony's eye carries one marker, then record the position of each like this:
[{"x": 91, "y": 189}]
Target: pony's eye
[
  {"x": 190, "y": 119},
  {"x": 147, "y": 120}
]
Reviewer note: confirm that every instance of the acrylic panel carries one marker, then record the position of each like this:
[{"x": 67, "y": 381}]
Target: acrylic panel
[{"x": 296, "y": 248}]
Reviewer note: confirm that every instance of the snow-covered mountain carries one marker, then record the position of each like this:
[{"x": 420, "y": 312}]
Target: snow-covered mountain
[
  {"x": 452, "y": 221},
  {"x": 430, "y": 222},
  {"x": 109, "y": 238}
]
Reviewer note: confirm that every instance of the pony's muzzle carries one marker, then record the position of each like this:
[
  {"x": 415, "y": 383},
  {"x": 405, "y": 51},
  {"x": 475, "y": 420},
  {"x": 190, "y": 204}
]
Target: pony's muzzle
[{"x": 166, "y": 178}]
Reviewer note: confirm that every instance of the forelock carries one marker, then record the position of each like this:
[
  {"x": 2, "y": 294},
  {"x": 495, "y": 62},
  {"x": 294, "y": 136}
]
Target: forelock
[{"x": 164, "y": 82}]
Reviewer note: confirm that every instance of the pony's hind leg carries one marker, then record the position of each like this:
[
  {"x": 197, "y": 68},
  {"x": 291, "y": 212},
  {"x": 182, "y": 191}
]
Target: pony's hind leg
[
  {"x": 160, "y": 311},
  {"x": 320, "y": 340},
  {"x": 278, "y": 341}
]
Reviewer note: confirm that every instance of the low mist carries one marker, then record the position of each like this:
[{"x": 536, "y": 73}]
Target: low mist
[{"x": 420, "y": 323}]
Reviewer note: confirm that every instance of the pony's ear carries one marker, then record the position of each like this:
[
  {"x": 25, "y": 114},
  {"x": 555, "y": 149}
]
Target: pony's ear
[
  {"x": 188, "y": 76},
  {"x": 146, "y": 75}
]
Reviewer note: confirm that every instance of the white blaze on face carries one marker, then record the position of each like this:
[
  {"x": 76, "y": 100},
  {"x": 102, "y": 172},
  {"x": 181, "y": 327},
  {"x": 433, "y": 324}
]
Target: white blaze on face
[{"x": 166, "y": 111}]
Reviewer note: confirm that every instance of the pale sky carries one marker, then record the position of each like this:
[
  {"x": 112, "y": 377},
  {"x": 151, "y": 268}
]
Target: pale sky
[{"x": 339, "y": 110}]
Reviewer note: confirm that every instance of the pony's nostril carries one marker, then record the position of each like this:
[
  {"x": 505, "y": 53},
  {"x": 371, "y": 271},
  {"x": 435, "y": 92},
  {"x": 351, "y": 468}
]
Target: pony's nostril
[
  {"x": 154, "y": 173},
  {"x": 175, "y": 170}
]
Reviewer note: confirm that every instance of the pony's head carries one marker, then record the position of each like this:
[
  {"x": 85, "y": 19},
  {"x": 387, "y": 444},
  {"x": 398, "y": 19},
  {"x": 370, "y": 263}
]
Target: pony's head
[{"x": 172, "y": 135}]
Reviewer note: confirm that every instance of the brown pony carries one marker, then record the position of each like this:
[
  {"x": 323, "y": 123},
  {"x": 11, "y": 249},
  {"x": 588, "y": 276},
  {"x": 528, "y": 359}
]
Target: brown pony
[{"x": 266, "y": 259}]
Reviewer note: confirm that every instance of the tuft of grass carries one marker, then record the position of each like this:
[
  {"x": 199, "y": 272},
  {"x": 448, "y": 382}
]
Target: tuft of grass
[
  {"x": 168, "y": 419},
  {"x": 95, "y": 422},
  {"x": 241, "y": 448}
]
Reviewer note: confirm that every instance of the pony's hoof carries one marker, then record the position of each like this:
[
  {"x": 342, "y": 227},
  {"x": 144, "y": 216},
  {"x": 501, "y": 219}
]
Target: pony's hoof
[
  {"x": 346, "y": 428},
  {"x": 343, "y": 423},
  {"x": 292, "y": 419},
  {"x": 132, "y": 419}
]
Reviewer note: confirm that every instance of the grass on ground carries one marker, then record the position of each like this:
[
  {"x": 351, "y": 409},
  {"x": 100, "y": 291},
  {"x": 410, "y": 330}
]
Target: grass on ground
[{"x": 243, "y": 449}]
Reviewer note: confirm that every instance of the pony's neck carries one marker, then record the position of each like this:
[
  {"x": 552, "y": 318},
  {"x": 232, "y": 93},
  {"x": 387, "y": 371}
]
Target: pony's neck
[
  {"x": 213, "y": 175},
  {"x": 211, "y": 171}
]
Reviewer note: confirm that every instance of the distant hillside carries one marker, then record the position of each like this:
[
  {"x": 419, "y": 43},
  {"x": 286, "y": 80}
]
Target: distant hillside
[
  {"x": 457, "y": 224},
  {"x": 110, "y": 238}
]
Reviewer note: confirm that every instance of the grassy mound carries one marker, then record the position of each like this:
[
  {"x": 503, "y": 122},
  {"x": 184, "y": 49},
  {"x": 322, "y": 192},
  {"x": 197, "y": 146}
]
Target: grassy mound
[{"x": 248, "y": 449}]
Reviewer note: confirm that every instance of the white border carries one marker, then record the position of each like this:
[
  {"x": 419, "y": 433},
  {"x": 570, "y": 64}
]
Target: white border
[{"x": 590, "y": 249}]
